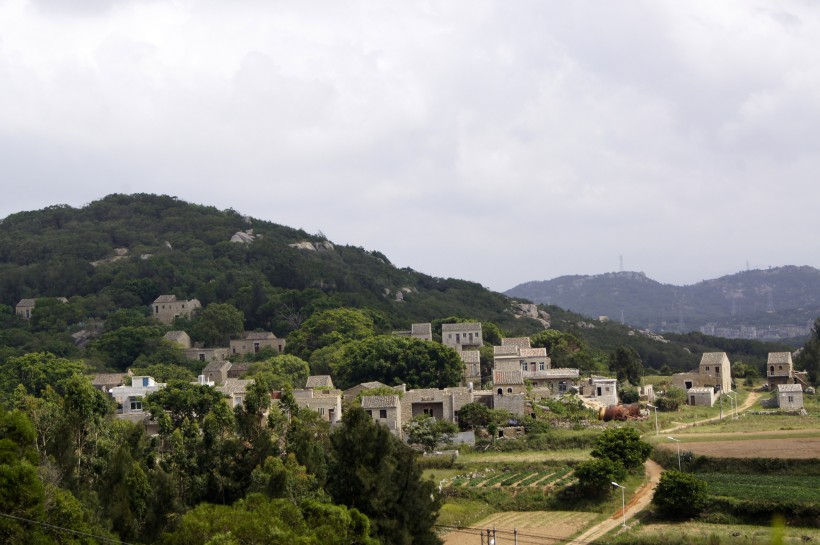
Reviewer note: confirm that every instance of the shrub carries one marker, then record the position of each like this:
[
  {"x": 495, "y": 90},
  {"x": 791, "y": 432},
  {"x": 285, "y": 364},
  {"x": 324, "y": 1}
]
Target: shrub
[
  {"x": 679, "y": 495},
  {"x": 595, "y": 477}
]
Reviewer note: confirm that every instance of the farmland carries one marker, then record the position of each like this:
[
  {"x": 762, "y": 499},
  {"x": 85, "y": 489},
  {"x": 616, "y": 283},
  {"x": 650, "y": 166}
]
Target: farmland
[
  {"x": 533, "y": 527},
  {"x": 548, "y": 478},
  {"x": 793, "y": 488}
]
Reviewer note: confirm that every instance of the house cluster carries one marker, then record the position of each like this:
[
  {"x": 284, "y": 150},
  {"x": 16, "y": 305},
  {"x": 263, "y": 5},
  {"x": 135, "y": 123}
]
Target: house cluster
[{"x": 713, "y": 378}]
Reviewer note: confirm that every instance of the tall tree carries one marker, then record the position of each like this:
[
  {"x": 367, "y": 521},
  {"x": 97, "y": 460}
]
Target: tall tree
[
  {"x": 217, "y": 323},
  {"x": 376, "y": 473},
  {"x": 809, "y": 358},
  {"x": 627, "y": 365},
  {"x": 330, "y": 327}
]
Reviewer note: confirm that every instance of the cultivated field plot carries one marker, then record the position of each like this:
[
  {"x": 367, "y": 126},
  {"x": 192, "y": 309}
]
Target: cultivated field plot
[
  {"x": 729, "y": 534},
  {"x": 552, "y": 478},
  {"x": 797, "y": 488},
  {"x": 776, "y": 447},
  {"x": 533, "y": 527}
]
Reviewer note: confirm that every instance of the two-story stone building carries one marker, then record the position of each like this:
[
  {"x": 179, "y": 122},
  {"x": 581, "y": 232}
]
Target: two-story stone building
[{"x": 167, "y": 307}]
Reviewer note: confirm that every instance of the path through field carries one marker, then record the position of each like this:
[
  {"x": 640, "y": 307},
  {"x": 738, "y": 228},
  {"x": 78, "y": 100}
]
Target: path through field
[{"x": 547, "y": 527}]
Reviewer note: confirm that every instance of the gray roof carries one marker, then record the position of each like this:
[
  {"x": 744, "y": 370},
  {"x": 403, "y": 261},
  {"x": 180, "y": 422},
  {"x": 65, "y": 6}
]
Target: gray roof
[
  {"x": 714, "y": 358},
  {"x": 234, "y": 386},
  {"x": 470, "y": 326},
  {"x": 421, "y": 329},
  {"x": 556, "y": 373},
  {"x": 789, "y": 388},
  {"x": 533, "y": 352},
  {"x": 165, "y": 299},
  {"x": 509, "y": 350},
  {"x": 780, "y": 357},
  {"x": 379, "y": 402},
  {"x": 508, "y": 377},
  {"x": 523, "y": 342},
  {"x": 174, "y": 335},
  {"x": 319, "y": 381},
  {"x": 104, "y": 379},
  {"x": 700, "y": 390},
  {"x": 259, "y": 335},
  {"x": 216, "y": 366},
  {"x": 26, "y": 303}
]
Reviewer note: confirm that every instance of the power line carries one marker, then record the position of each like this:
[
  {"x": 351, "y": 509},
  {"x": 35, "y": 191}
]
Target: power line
[
  {"x": 62, "y": 529},
  {"x": 479, "y": 531}
]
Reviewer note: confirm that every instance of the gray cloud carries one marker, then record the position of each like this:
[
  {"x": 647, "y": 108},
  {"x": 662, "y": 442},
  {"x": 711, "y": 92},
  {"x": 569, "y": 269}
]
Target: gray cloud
[{"x": 495, "y": 142}]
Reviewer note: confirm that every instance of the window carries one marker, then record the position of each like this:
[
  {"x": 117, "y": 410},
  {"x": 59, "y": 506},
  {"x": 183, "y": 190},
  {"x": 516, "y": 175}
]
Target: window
[
  {"x": 237, "y": 401},
  {"x": 524, "y": 366},
  {"x": 791, "y": 399},
  {"x": 370, "y": 413},
  {"x": 509, "y": 390},
  {"x": 717, "y": 369},
  {"x": 428, "y": 412},
  {"x": 321, "y": 410},
  {"x": 707, "y": 367},
  {"x": 255, "y": 348},
  {"x": 541, "y": 365},
  {"x": 562, "y": 386},
  {"x": 501, "y": 391},
  {"x": 382, "y": 413},
  {"x": 201, "y": 357},
  {"x": 135, "y": 404},
  {"x": 145, "y": 381}
]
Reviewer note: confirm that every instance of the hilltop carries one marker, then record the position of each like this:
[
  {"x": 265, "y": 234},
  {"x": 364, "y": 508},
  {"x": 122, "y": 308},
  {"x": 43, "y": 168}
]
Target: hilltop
[{"x": 773, "y": 303}]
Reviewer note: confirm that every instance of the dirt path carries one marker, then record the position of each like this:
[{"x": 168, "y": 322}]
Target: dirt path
[{"x": 643, "y": 497}]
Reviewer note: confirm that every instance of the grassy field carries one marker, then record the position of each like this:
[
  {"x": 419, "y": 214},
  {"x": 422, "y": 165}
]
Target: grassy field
[
  {"x": 718, "y": 534},
  {"x": 528, "y": 456},
  {"x": 797, "y": 488}
]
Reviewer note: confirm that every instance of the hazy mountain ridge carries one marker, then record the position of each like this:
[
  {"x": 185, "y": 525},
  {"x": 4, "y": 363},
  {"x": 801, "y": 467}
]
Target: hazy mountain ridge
[{"x": 763, "y": 298}]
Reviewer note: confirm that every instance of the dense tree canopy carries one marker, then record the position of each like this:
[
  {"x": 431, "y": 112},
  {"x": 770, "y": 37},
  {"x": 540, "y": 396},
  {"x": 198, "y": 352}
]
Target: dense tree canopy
[
  {"x": 398, "y": 360},
  {"x": 627, "y": 365},
  {"x": 330, "y": 327}
]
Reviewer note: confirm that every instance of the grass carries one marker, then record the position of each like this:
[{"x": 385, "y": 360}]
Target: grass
[
  {"x": 770, "y": 487},
  {"x": 525, "y": 456},
  {"x": 463, "y": 512},
  {"x": 717, "y": 534}
]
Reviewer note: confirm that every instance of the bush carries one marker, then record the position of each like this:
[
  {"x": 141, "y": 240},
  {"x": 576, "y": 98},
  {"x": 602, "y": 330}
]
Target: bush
[
  {"x": 595, "y": 477},
  {"x": 679, "y": 495},
  {"x": 671, "y": 400},
  {"x": 629, "y": 395},
  {"x": 623, "y": 445}
]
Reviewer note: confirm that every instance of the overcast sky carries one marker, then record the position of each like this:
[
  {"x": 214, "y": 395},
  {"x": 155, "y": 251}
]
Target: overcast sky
[{"x": 494, "y": 141}]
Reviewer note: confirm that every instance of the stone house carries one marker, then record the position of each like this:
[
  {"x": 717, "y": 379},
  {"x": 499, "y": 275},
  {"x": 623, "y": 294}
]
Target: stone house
[
  {"x": 714, "y": 371},
  {"x": 703, "y": 396},
  {"x": 602, "y": 390},
  {"x": 235, "y": 389},
  {"x": 25, "y": 307},
  {"x": 780, "y": 370},
  {"x": 217, "y": 371},
  {"x": 326, "y": 402},
  {"x": 207, "y": 354},
  {"x": 167, "y": 307},
  {"x": 462, "y": 336},
  {"x": 350, "y": 394},
  {"x": 790, "y": 396},
  {"x": 472, "y": 368},
  {"x": 516, "y": 352},
  {"x": 559, "y": 381},
  {"x": 319, "y": 381},
  {"x": 422, "y": 332},
  {"x": 440, "y": 404},
  {"x": 180, "y": 338},
  {"x": 105, "y": 381},
  {"x": 509, "y": 392},
  {"x": 385, "y": 410},
  {"x": 254, "y": 341},
  {"x": 130, "y": 397}
]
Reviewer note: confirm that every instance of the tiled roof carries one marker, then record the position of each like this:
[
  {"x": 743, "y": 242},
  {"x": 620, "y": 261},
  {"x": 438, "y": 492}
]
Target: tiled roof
[
  {"x": 510, "y": 350},
  {"x": 235, "y": 386},
  {"x": 319, "y": 381},
  {"x": 259, "y": 335},
  {"x": 508, "y": 377},
  {"x": 216, "y": 366},
  {"x": 714, "y": 358},
  {"x": 789, "y": 388},
  {"x": 533, "y": 352},
  {"x": 26, "y": 303},
  {"x": 523, "y": 342},
  {"x": 421, "y": 329},
  {"x": 780, "y": 357},
  {"x": 700, "y": 390},
  {"x": 559, "y": 372},
  {"x": 165, "y": 299},
  {"x": 453, "y": 328},
  {"x": 470, "y": 356},
  {"x": 174, "y": 335},
  {"x": 108, "y": 378},
  {"x": 379, "y": 402}
]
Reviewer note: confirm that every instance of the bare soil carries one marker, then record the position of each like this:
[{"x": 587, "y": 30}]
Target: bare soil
[{"x": 546, "y": 527}]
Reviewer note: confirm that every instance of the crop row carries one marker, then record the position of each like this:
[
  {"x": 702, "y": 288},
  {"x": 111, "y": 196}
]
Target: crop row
[
  {"x": 513, "y": 478},
  {"x": 770, "y": 487}
]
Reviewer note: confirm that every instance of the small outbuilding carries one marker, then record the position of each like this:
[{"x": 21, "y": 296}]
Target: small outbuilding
[
  {"x": 703, "y": 396},
  {"x": 790, "y": 396}
]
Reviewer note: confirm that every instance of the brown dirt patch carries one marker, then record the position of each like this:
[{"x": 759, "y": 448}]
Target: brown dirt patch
[
  {"x": 785, "y": 447},
  {"x": 546, "y": 527}
]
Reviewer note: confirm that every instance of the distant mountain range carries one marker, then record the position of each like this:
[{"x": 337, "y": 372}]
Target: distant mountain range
[{"x": 774, "y": 303}]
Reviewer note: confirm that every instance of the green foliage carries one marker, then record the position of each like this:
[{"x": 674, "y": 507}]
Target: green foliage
[
  {"x": 396, "y": 360},
  {"x": 679, "y": 495},
  {"x": 595, "y": 477},
  {"x": 35, "y": 372},
  {"x": 622, "y": 445},
  {"x": 628, "y": 395},
  {"x": 217, "y": 323},
  {"x": 809, "y": 358},
  {"x": 473, "y": 415},
  {"x": 627, "y": 365},
  {"x": 671, "y": 400},
  {"x": 328, "y": 328},
  {"x": 286, "y": 479},
  {"x": 428, "y": 432},
  {"x": 121, "y": 347},
  {"x": 285, "y": 368},
  {"x": 163, "y": 372},
  {"x": 258, "y": 520},
  {"x": 377, "y": 474},
  {"x": 182, "y": 401}
]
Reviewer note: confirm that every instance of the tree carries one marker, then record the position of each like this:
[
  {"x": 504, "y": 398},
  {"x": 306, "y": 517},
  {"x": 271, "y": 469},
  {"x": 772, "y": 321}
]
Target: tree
[
  {"x": 181, "y": 400},
  {"x": 622, "y": 445},
  {"x": 36, "y": 372},
  {"x": 627, "y": 365},
  {"x": 428, "y": 432},
  {"x": 121, "y": 347},
  {"x": 672, "y": 399},
  {"x": 809, "y": 358},
  {"x": 374, "y": 472},
  {"x": 285, "y": 368},
  {"x": 217, "y": 323},
  {"x": 680, "y": 495},
  {"x": 595, "y": 477},
  {"x": 329, "y": 327},
  {"x": 473, "y": 415},
  {"x": 395, "y": 360}
]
